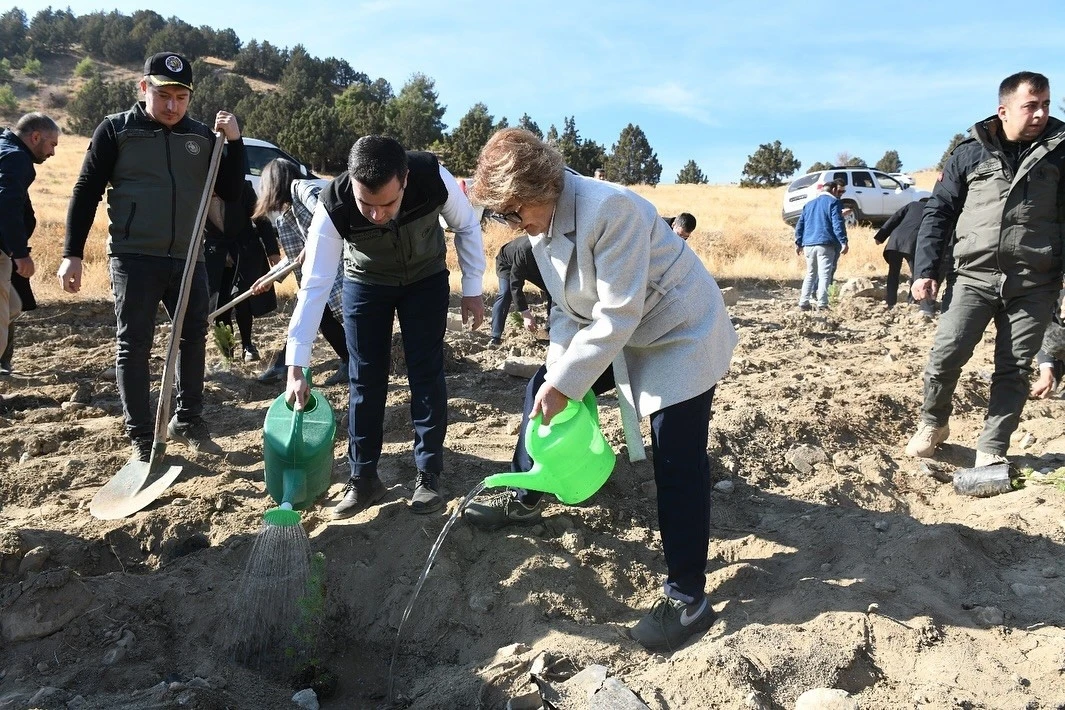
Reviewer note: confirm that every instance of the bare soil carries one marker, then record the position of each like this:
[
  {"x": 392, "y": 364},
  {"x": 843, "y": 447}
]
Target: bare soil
[{"x": 860, "y": 569}]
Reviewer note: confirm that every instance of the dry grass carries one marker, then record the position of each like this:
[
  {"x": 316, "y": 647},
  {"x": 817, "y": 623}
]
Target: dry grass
[{"x": 740, "y": 235}]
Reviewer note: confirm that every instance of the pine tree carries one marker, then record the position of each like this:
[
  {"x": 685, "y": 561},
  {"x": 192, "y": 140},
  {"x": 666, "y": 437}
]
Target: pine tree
[
  {"x": 690, "y": 174},
  {"x": 466, "y": 140},
  {"x": 632, "y": 162},
  {"x": 769, "y": 166},
  {"x": 414, "y": 115},
  {"x": 528, "y": 124},
  {"x": 890, "y": 163},
  {"x": 954, "y": 142}
]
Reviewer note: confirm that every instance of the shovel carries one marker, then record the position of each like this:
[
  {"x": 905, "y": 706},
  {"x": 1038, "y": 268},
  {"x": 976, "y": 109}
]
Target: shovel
[
  {"x": 279, "y": 271},
  {"x": 138, "y": 483}
]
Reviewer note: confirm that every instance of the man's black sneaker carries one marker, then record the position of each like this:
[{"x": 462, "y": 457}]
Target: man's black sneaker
[
  {"x": 501, "y": 510},
  {"x": 671, "y": 622},
  {"x": 426, "y": 498},
  {"x": 359, "y": 494},
  {"x": 142, "y": 450},
  {"x": 340, "y": 377},
  {"x": 250, "y": 353},
  {"x": 192, "y": 434}
]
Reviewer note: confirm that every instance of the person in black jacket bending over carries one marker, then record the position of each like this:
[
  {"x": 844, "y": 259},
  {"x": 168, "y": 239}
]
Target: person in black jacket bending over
[
  {"x": 1001, "y": 193},
  {"x": 514, "y": 266},
  {"x": 156, "y": 160},
  {"x": 900, "y": 233}
]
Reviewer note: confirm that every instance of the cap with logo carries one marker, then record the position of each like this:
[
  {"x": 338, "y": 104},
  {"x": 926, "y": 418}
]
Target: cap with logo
[{"x": 168, "y": 69}]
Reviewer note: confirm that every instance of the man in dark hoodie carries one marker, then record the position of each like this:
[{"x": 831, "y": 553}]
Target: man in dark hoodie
[
  {"x": 900, "y": 233},
  {"x": 1002, "y": 193},
  {"x": 155, "y": 159},
  {"x": 32, "y": 142}
]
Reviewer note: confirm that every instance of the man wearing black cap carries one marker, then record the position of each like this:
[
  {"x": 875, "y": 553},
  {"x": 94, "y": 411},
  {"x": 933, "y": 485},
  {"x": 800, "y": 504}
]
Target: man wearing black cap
[{"x": 156, "y": 160}]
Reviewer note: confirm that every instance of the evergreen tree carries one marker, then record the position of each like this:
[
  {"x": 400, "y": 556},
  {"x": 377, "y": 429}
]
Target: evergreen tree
[
  {"x": 582, "y": 155},
  {"x": 818, "y": 167},
  {"x": 464, "y": 143},
  {"x": 362, "y": 107},
  {"x": 769, "y": 166},
  {"x": 313, "y": 133},
  {"x": 890, "y": 163},
  {"x": 215, "y": 91},
  {"x": 414, "y": 116},
  {"x": 52, "y": 31},
  {"x": 528, "y": 124},
  {"x": 632, "y": 161},
  {"x": 307, "y": 77},
  {"x": 96, "y": 99},
  {"x": 178, "y": 36},
  {"x": 552, "y": 135},
  {"x": 690, "y": 174},
  {"x": 13, "y": 41},
  {"x": 954, "y": 143}
]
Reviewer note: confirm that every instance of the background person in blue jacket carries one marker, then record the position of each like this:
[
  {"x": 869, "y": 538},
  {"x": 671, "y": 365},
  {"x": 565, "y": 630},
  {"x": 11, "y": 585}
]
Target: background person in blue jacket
[{"x": 821, "y": 236}]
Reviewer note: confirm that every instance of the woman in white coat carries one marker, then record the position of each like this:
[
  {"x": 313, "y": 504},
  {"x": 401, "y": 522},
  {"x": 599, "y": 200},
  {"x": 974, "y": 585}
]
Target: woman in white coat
[{"x": 633, "y": 308}]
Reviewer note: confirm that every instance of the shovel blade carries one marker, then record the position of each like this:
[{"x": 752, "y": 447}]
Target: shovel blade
[{"x": 131, "y": 489}]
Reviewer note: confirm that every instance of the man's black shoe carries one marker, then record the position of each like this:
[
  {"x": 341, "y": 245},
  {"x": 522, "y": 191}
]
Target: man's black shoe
[
  {"x": 142, "y": 450},
  {"x": 501, "y": 510},
  {"x": 192, "y": 434},
  {"x": 671, "y": 622},
  {"x": 359, "y": 494},
  {"x": 426, "y": 498}
]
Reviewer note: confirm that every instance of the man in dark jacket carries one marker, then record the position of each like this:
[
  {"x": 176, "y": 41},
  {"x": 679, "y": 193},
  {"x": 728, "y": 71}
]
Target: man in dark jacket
[
  {"x": 1002, "y": 192},
  {"x": 156, "y": 160},
  {"x": 382, "y": 218},
  {"x": 900, "y": 233},
  {"x": 514, "y": 266},
  {"x": 32, "y": 142}
]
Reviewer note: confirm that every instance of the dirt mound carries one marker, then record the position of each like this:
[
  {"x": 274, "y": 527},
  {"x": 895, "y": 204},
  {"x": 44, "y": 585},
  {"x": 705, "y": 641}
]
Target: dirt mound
[{"x": 835, "y": 561}]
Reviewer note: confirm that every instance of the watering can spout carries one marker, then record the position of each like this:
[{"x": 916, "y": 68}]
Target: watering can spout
[
  {"x": 572, "y": 458},
  {"x": 531, "y": 480},
  {"x": 295, "y": 486}
]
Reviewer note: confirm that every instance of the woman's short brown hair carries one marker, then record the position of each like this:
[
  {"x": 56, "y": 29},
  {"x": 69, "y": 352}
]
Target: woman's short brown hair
[{"x": 517, "y": 168}]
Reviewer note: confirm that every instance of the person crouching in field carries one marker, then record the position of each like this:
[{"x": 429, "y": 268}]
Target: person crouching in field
[
  {"x": 821, "y": 236},
  {"x": 155, "y": 159},
  {"x": 632, "y": 304}
]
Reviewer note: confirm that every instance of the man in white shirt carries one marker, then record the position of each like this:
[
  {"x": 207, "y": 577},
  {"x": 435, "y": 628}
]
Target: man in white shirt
[{"x": 382, "y": 218}]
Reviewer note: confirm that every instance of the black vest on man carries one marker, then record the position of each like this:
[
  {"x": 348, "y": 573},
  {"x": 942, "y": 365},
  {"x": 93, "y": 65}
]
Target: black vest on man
[{"x": 407, "y": 249}]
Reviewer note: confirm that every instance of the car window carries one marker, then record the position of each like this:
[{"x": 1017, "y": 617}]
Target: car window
[
  {"x": 862, "y": 179},
  {"x": 887, "y": 182},
  {"x": 804, "y": 181},
  {"x": 258, "y": 156},
  {"x": 840, "y": 176}
]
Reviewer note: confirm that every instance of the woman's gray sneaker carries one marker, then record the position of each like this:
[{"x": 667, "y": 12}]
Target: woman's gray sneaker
[{"x": 500, "y": 510}]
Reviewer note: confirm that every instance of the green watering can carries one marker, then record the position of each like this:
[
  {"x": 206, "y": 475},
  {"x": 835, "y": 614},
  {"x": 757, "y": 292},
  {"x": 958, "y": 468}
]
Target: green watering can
[
  {"x": 572, "y": 459},
  {"x": 298, "y": 450}
]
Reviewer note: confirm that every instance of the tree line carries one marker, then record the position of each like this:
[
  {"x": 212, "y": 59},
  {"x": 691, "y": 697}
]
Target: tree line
[
  {"x": 773, "y": 164},
  {"x": 319, "y": 107}
]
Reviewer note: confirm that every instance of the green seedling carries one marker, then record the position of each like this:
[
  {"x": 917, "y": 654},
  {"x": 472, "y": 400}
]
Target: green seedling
[
  {"x": 1028, "y": 475},
  {"x": 224, "y": 340}
]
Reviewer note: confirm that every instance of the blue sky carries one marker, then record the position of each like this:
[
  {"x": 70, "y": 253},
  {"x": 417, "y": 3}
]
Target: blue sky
[{"x": 708, "y": 81}]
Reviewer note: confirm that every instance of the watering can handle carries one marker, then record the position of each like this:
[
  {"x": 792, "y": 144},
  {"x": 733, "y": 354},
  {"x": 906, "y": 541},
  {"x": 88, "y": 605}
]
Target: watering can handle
[
  {"x": 294, "y": 448},
  {"x": 567, "y": 413}
]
